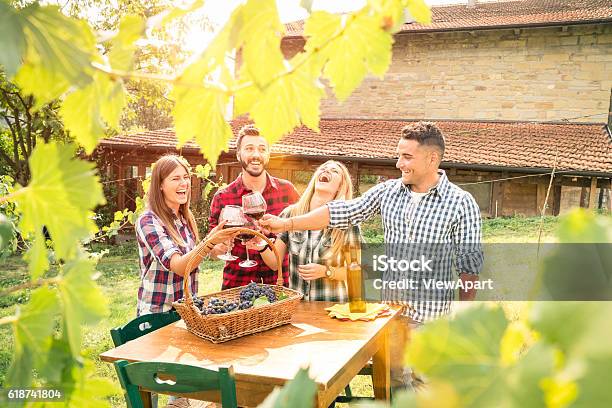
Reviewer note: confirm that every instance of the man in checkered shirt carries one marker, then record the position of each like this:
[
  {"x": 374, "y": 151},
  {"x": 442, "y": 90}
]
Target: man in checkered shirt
[
  {"x": 253, "y": 153},
  {"x": 422, "y": 207}
]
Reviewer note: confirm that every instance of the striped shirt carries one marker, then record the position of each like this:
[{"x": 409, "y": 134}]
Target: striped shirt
[
  {"x": 446, "y": 215},
  {"x": 306, "y": 247},
  {"x": 159, "y": 286}
]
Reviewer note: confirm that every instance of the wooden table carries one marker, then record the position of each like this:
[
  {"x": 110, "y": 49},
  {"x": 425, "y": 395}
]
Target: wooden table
[{"x": 334, "y": 350}]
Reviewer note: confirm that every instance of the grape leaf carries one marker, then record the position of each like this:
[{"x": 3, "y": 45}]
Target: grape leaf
[
  {"x": 34, "y": 324},
  {"x": 287, "y": 102},
  {"x": 62, "y": 192},
  {"x": 390, "y": 13},
  {"x": 58, "y": 53},
  {"x": 582, "y": 226},
  {"x": 121, "y": 55},
  {"x": 594, "y": 386},
  {"x": 260, "y": 38},
  {"x": 19, "y": 374},
  {"x": 575, "y": 327},
  {"x": 83, "y": 389},
  {"x": 468, "y": 347},
  {"x": 262, "y": 300},
  {"x": 363, "y": 46},
  {"x": 297, "y": 393},
  {"x": 55, "y": 360},
  {"x": 12, "y": 41},
  {"x": 82, "y": 300},
  {"x": 210, "y": 131},
  {"x": 85, "y": 110},
  {"x": 419, "y": 11}
]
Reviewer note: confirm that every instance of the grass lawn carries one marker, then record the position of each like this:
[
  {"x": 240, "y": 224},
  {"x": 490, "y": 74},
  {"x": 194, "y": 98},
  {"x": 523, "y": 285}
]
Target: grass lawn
[{"x": 119, "y": 280}]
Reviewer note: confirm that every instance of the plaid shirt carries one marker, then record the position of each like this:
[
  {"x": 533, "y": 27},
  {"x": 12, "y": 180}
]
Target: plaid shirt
[
  {"x": 279, "y": 194},
  {"x": 446, "y": 215},
  {"x": 306, "y": 247},
  {"x": 159, "y": 286}
]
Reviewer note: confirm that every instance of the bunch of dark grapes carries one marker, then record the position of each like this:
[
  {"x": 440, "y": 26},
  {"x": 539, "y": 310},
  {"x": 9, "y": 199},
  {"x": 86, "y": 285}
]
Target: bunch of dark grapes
[
  {"x": 245, "y": 304},
  {"x": 198, "y": 302},
  {"x": 253, "y": 291},
  {"x": 218, "y": 306}
]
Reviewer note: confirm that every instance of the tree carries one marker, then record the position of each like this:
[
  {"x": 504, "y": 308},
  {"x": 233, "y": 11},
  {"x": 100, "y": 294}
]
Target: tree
[{"x": 23, "y": 127}]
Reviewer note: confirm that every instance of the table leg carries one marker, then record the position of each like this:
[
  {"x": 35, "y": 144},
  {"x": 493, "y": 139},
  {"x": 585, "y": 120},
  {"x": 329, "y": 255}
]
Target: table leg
[{"x": 381, "y": 368}]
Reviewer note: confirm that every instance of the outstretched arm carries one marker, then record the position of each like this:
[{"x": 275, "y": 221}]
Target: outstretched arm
[{"x": 314, "y": 220}]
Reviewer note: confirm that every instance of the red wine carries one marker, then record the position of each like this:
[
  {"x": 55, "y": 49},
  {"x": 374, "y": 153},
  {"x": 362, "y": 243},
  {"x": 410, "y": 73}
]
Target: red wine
[
  {"x": 245, "y": 236},
  {"x": 228, "y": 225},
  {"x": 256, "y": 214}
]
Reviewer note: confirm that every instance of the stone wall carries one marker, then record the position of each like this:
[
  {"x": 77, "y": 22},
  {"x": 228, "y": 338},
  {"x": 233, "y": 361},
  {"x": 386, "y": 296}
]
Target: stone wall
[{"x": 528, "y": 74}]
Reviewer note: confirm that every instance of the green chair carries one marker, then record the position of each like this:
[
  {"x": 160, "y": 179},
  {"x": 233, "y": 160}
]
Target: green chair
[
  {"x": 142, "y": 325},
  {"x": 154, "y": 376}
]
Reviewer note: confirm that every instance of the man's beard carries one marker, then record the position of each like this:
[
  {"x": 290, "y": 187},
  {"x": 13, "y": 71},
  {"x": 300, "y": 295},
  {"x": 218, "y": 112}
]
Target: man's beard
[{"x": 244, "y": 166}]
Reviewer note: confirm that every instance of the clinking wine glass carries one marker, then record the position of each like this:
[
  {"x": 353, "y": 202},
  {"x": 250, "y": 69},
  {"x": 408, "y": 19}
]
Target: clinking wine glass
[
  {"x": 244, "y": 237},
  {"x": 254, "y": 206},
  {"x": 235, "y": 218}
]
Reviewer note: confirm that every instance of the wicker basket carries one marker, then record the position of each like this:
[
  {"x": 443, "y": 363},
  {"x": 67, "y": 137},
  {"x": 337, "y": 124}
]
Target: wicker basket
[{"x": 228, "y": 326}]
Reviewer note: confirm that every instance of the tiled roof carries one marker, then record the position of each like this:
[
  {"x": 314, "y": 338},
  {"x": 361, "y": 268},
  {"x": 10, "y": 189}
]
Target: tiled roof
[
  {"x": 517, "y": 13},
  {"x": 579, "y": 146}
]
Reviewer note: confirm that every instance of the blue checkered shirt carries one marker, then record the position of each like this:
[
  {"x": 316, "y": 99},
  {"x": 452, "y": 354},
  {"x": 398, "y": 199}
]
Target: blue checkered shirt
[{"x": 446, "y": 215}]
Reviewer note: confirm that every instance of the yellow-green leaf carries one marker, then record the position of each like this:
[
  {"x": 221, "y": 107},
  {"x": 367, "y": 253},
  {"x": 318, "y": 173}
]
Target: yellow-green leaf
[
  {"x": 82, "y": 300},
  {"x": 31, "y": 329},
  {"x": 199, "y": 115},
  {"x": 559, "y": 393},
  {"x": 59, "y": 51},
  {"x": 121, "y": 55},
  {"x": 390, "y": 13},
  {"x": 12, "y": 41},
  {"x": 260, "y": 36},
  {"x": 419, "y": 10},
  {"x": 86, "y": 110},
  {"x": 288, "y": 102},
  {"x": 350, "y": 47},
  {"x": 513, "y": 343},
  {"x": 35, "y": 320},
  {"x": 62, "y": 192},
  {"x": 468, "y": 347}
]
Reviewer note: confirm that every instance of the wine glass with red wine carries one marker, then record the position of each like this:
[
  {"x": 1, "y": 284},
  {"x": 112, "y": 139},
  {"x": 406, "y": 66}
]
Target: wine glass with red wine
[
  {"x": 254, "y": 206},
  {"x": 235, "y": 218},
  {"x": 244, "y": 237}
]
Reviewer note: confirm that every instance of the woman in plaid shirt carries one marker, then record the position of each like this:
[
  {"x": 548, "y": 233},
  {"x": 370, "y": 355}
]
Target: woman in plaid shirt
[
  {"x": 167, "y": 234},
  {"x": 315, "y": 257}
]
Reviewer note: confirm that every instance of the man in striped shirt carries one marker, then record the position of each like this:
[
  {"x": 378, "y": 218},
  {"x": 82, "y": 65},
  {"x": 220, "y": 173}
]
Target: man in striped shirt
[{"x": 422, "y": 207}]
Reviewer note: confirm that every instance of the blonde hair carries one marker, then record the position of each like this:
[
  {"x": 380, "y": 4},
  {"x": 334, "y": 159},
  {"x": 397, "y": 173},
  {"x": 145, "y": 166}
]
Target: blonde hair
[
  {"x": 344, "y": 192},
  {"x": 155, "y": 197}
]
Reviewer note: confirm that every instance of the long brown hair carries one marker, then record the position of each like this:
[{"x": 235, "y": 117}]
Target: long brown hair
[
  {"x": 344, "y": 192},
  {"x": 155, "y": 197}
]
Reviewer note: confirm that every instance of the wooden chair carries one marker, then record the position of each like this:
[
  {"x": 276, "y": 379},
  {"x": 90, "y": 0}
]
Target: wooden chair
[
  {"x": 174, "y": 378},
  {"x": 142, "y": 325}
]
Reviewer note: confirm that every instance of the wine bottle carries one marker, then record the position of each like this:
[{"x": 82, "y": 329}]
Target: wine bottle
[{"x": 354, "y": 279}]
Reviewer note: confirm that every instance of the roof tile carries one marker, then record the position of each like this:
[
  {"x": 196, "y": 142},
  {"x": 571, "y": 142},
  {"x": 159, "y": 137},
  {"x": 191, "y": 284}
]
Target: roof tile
[
  {"x": 577, "y": 146},
  {"x": 517, "y": 13}
]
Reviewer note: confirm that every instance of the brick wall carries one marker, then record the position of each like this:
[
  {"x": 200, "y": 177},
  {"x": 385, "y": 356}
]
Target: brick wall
[{"x": 531, "y": 74}]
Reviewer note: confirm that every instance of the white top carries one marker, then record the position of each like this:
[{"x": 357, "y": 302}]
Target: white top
[{"x": 417, "y": 197}]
